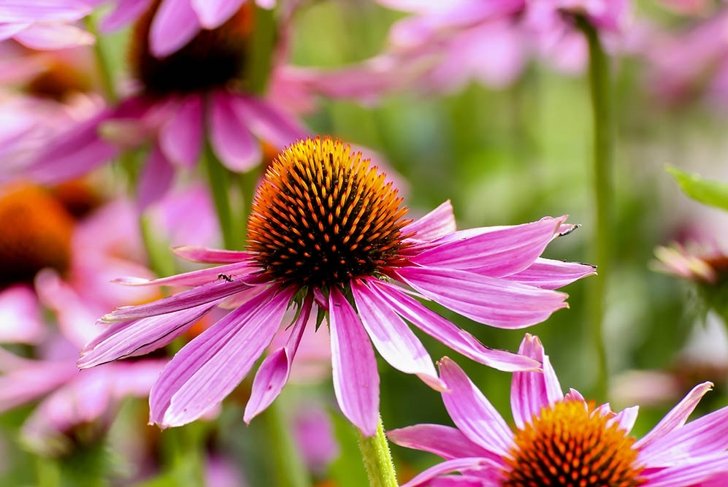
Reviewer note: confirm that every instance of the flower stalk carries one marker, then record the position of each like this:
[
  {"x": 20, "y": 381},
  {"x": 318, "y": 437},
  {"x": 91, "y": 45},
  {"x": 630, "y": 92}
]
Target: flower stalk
[
  {"x": 378, "y": 459},
  {"x": 289, "y": 467},
  {"x": 603, "y": 190}
]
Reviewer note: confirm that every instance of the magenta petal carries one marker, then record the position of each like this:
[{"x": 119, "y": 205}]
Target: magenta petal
[
  {"x": 181, "y": 137},
  {"x": 493, "y": 251},
  {"x": 276, "y": 368},
  {"x": 209, "y": 367},
  {"x": 437, "y": 223},
  {"x": 493, "y": 301},
  {"x": 356, "y": 381},
  {"x": 392, "y": 338},
  {"x": 156, "y": 179},
  {"x": 128, "y": 339},
  {"x": 234, "y": 144},
  {"x": 32, "y": 381},
  {"x": 212, "y": 256},
  {"x": 457, "y": 465},
  {"x": 126, "y": 11},
  {"x": 235, "y": 271},
  {"x": 472, "y": 413},
  {"x": 626, "y": 418},
  {"x": 20, "y": 315},
  {"x": 552, "y": 274},
  {"x": 43, "y": 35},
  {"x": 268, "y": 122},
  {"x": 676, "y": 418},
  {"x": 444, "y": 441},
  {"x": 213, "y": 13},
  {"x": 533, "y": 391},
  {"x": 693, "y": 472},
  {"x": 174, "y": 25},
  {"x": 447, "y": 333}
]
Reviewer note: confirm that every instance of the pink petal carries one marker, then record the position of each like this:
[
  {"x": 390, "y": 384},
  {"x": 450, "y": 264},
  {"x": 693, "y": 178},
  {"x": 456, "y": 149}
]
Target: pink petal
[
  {"x": 211, "y": 256},
  {"x": 446, "y": 332},
  {"x": 42, "y": 10},
  {"x": 268, "y": 122},
  {"x": 276, "y": 368},
  {"x": 437, "y": 223},
  {"x": 9, "y": 30},
  {"x": 33, "y": 381},
  {"x": 626, "y": 418},
  {"x": 214, "y": 13},
  {"x": 447, "y": 442},
  {"x": 156, "y": 179},
  {"x": 356, "y": 381},
  {"x": 552, "y": 274},
  {"x": 472, "y": 413},
  {"x": 692, "y": 473},
  {"x": 20, "y": 315},
  {"x": 235, "y": 271},
  {"x": 533, "y": 391},
  {"x": 174, "y": 25},
  {"x": 457, "y": 465},
  {"x": 126, "y": 12},
  {"x": 209, "y": 367},
  {"x": 494, "y": 252},
  {"x": 392, "y": 338},
  {"x": 181, "y": 137},
  {"x": 488, "y": 300},
  {"x": 676, "y": 418},
  {"x": 134, "y": 338},
  {"x": 53, "y": 36},
  {"x": 236, "y": 147}
]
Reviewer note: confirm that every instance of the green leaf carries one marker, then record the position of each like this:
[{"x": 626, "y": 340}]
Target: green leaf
[{"x": 711, "y": 193}]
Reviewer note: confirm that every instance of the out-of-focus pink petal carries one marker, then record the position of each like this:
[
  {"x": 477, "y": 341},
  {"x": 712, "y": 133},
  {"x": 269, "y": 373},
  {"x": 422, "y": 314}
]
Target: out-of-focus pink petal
[
  {"x": 552, "y": 274},
  {"x": 209, "y": 367},
  {"x": 392, "y": 338},
  {"x": 43, "y": 10},
  {"x": 125, "y": 12},
  {"x": 463, "y": 465},
  {"x": 20, "y": 316},
  {"x": 437, "y": 223},
  {"x": 493, "y": 252},
  {"x": 211, "y": 256},
  {"x": 134, "y": 379},
  {"x": 128, "y": 339},
  {"x": 445, "y": 441},
  {"x": 33, "y": 381},
  {"x": 181, "y": 137},
  {"x": 53, "y": 36},
  {"x": 268, "y": 122},
  {"x": 267, "y": 4},
  {"x": 236, "y": 147},
  {"x": 676, "y": 418},
  {"x": 447, "y": 333},
  {"x": 174, "y": 25},
  {"x": 472, "y": 413},
  {"x": 276, "y": 368},
  {"x": 356, "y": 381},
  {"x": 314, "y": 434},
  {"x": 533, "y": 391},
  {"x": 493, "y": 301},
  {"x": 9, "y": 30},
  {"x": 156, "y": 178},
  {"x": 213, "y": 13}
]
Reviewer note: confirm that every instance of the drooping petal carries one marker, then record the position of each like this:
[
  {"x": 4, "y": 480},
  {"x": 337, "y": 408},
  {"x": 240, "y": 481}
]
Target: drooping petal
[
  {"x": 533, "y": 391},
  {"x": 445, "y": 441},
  {"x": 213, "y": 13},
  {"x": 492, "y": 251},
  {"x": 156, "y": 178},
  {"x": 493, "y": 301},
  {"x": 234, "y": 271},
  {"x": 236, "y": 147},
  {"x": 211, "y": 256},
  {"x": 437, "y": 223},
  {"x": 447, "y": 333},
  {"x": 472, "y": 413},
  {"x": 268, "y": 122},
  {"x": 356, "y": 381},
  {"x": 466, "y": 464},
  {"x": 552, "y": 274},
  {"x": 53, "y": 36},
  {"x": 174, "y": 25},
  {"x": 676, "y": 418},
  {"x": 181, "y": 137},
  {"x": 392, "y": 338},
  {"x": 209, "y": 367},
  {"x": 276, "y": 368},
  {"x": 128, "y": 339}
]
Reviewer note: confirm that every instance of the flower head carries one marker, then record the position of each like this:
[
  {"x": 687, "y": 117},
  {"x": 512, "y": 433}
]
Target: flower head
[
  {"x": 328, "y": 232},
  {"x": 563, "y": 439}
]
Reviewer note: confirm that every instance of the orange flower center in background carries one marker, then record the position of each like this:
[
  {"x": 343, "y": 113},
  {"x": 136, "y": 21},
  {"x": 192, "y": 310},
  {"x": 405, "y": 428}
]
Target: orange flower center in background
[
  {"x": 59, "y": 82},
  {"x": 568, "y": 445},
  {"x": 212, "y": 59},
  {"x": 36, "y": 233},
  {"x": 323, "y": 215}
]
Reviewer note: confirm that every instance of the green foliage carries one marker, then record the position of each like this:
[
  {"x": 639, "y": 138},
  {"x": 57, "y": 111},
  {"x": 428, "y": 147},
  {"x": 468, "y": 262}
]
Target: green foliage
[{"x": 706, "y": 191}]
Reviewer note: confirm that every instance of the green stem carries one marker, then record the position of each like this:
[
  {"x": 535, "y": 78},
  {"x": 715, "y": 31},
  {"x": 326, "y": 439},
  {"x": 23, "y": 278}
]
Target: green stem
[
  {"x": 378, "y": 459},
  {"x": 48, "y": 473},
  {"x": 247, "y": 183},
  {"x": 103, "y": 64},
  {"x": 260, "y": 51},
  {"x": 160, "y": 258},
  {"x": 603, "y": 126},
  {"x": 219, "y": 180},
  {"x": 289, "y": 468}
]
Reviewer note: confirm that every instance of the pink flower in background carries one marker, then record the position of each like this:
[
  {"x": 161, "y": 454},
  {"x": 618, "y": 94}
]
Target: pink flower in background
[
  {"x": 44, "y": 24},
  {"x": 563, "y": 439},
  {"x": 184, "y": 99},
  {"x": 328, "y": 232}
]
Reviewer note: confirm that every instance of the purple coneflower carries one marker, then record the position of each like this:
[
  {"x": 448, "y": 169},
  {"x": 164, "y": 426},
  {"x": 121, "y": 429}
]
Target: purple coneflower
[
  {"x": 328, "y": 232},
  {"x": 563, "y": 439}
]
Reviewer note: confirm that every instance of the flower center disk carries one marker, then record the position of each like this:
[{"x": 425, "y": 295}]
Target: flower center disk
[
  {"x": 36, "y": 233},
  {"x": 212, "y": 59},
  {"x": 323, "y": 215},
  {"x": 568, "y": 445}
]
